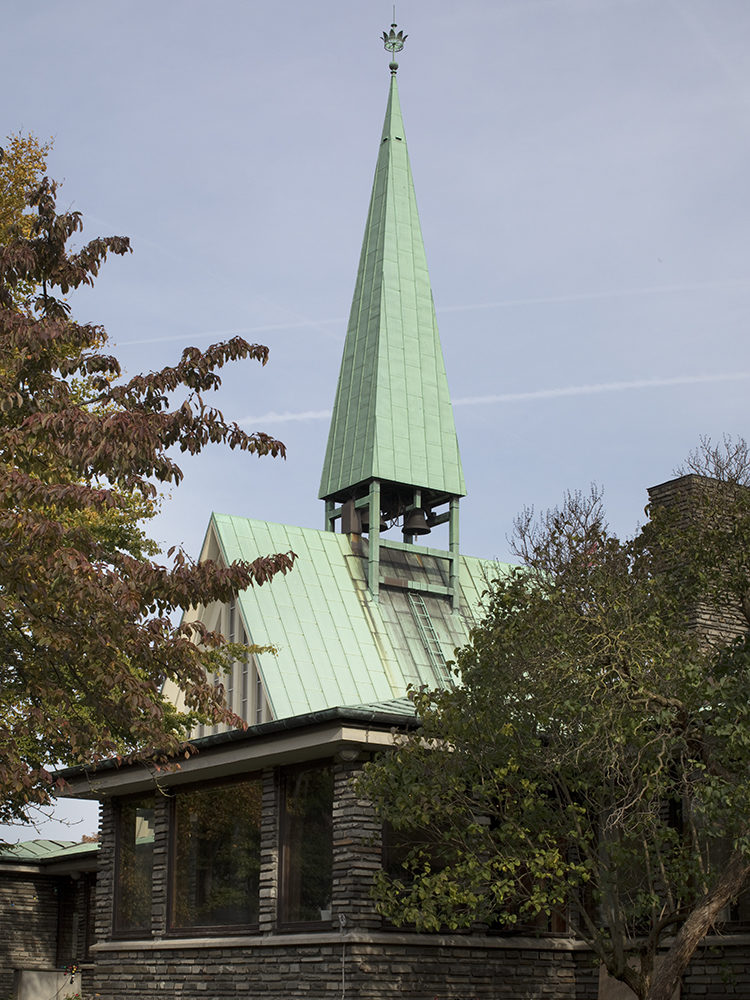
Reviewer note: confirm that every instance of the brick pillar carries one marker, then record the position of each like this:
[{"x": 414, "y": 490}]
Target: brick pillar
[
  {"x": 357, "y": 850},
  {"x": 105, "y": 875},
  {"x": 159, "y": 876},
  {"x": 269, "y": 853}
]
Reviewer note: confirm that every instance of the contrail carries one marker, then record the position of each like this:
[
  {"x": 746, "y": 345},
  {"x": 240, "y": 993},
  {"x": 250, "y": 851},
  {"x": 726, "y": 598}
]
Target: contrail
[
  {"x": 597, "y": 387},
  {"x": 274, "y": 417},
  {"x": 186, "y": 338},
  {"x": 340, "y": 321},
  {"x": 282, "y": 418},
  {"x": 607, "y": 293}
]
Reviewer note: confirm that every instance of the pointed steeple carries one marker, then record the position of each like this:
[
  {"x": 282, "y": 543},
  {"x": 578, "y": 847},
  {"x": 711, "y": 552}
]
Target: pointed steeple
[
  {"x": 392, "y": 419},
  {"x": 392, "y": 422}
]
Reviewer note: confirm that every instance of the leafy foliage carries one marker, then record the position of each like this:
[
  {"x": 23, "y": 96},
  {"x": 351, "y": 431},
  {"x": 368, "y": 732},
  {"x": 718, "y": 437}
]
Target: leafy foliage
[
  {"x": 23, "y": 162},
  {"x": 592, "y": 765},
  {"x": 86, "y": 633},
  {"x": 22, "y": 166}
]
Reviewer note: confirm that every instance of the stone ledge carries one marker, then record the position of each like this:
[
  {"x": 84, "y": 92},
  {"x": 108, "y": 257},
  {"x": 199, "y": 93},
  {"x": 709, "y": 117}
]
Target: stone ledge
[{"x": 365, "y": 939}]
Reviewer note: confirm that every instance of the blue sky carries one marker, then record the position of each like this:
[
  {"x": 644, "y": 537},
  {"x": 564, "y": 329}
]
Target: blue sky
[{"x": 581, "y": 171}]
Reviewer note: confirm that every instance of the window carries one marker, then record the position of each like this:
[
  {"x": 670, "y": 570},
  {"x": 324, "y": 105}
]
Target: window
[
  {"x": 245, "y": 669},
  {"x": 232, "y": 625},
  {"x": 215, "y": 858},
  {"x": 307, "y": 844},
  {"x": 259, "y": 698},
  {"x": 133, "y": 865}
]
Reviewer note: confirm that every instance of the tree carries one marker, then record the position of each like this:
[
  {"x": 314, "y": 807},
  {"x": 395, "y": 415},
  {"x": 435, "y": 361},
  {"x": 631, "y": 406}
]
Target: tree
[
  {"x": 23, "y": 162},
  {"x": 593, "y": 762},
  {"x": 86, "y": 637},
  {"x": 22, "y": 167}
]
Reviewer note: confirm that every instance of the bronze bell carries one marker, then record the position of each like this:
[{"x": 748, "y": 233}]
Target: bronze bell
[
  {"x": 365, "y": 517},
  {"x": 416, "y": 522}
]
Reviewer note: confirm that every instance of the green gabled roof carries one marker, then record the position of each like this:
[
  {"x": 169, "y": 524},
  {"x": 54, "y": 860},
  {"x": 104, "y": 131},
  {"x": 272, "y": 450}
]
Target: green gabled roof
[
  {"x": 392, "y": 418},
  {"x": 334, "y": 644}
]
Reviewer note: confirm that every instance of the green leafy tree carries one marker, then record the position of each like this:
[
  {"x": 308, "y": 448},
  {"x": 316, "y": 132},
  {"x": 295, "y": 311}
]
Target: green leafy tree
[
  {"x": 86, "y": 632},
  {"x": 592, "y": 765}
]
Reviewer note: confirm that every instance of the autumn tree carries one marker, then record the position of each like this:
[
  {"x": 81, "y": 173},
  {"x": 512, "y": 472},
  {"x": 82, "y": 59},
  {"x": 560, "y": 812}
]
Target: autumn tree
[
  {"x": 22, "y": 167},
  {"x": 592, "y": 764},
  {"x": 23, "y": 164},
  {"x": 87, "y": 637}
]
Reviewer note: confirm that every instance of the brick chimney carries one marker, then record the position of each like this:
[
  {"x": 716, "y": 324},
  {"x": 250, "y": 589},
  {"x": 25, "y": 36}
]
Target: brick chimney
[{"x": 689, "y": 496}]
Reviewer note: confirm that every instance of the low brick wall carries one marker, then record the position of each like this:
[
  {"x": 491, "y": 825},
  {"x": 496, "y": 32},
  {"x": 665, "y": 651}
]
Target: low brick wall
[
  {"x": 355, "y": 965},
  {"x": 721, "y": 968}
]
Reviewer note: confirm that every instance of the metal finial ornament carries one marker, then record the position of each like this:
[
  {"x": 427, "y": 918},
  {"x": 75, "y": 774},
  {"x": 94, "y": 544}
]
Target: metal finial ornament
[{"x": 393, "y": 42}]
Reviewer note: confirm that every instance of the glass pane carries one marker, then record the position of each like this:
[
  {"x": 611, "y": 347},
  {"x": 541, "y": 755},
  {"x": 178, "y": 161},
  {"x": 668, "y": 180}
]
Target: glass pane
[
  {"x": 216, "y": 862},
  {"x": 308, "y": 845},
  {"x": 135, "y": 853}
]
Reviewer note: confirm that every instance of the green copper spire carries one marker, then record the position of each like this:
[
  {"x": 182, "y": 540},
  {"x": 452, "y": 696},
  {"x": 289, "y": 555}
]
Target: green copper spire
[{"x": 392, "y": 419}]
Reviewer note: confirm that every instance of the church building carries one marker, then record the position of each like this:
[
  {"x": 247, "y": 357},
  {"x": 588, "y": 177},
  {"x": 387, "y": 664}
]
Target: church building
[{"x": 246, "y": 871}]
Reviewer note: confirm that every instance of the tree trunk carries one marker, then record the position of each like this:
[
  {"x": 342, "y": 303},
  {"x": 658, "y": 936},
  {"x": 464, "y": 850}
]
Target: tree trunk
[{"x": 702, "y": 917}]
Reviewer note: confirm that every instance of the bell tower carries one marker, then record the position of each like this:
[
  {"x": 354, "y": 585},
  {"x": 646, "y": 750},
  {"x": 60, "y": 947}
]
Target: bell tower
[{"x": 392, "y": 460}]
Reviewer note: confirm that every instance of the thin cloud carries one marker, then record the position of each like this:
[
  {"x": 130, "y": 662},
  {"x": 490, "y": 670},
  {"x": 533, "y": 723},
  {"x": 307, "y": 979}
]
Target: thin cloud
[
  {"x": 286, "y": 417},
  {"x": 186, "y": 338},
  {"x": 608, "y": 293},
  {"x": 340, "y": 321},
  {"x": 600, "y": 387},
  {"x": 274, "y": 417}
]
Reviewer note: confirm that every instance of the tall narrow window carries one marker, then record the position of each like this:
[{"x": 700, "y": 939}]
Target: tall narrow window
[
  {"x": 215, "y": 856},
  {"x": 235, "y": 631},
  {"x": 230, "y": 686},
  {"x": 133, "y": 866},
  {"x": 245, "y": 667},
  {"x": 307, "y": 844},
  {"x": 260, "y": 699}
]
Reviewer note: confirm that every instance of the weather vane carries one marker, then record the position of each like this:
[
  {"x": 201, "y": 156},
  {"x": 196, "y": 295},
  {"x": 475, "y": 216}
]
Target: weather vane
[{"x": 393, "y": 41}]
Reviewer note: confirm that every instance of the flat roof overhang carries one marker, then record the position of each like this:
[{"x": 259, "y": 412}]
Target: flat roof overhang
[{"x": 346, "y": 734}]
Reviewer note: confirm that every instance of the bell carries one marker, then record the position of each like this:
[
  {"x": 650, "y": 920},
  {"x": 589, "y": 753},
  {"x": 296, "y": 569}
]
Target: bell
[
  {"x": 365, "y": 517},
  {"x": 416, "y": 523}
]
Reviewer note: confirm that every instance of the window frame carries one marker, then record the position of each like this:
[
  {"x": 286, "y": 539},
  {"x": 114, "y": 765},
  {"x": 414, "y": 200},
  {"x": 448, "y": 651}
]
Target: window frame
[
  {"x": 284, "y": 854},
  {"x": 205, "y": 930},
  {"x": 119, "y": 932}
]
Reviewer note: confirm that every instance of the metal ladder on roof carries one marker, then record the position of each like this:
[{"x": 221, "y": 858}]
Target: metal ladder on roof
[{"x": 430, "y": 639}]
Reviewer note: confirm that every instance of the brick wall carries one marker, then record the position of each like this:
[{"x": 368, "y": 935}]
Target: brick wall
[
  {"x": 269, "y": 852},
  {"x": 355, "y": 965},
  {"x": 720, "y": 969},
  {"x": 105, "y": 873},
  {"x": 357, "y": 851},
  {"x": 383, "y": 966},
  {"x": 28, "y": 926},
  {"x": 159, "y": 888}
]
